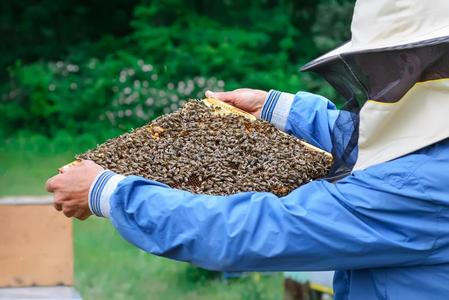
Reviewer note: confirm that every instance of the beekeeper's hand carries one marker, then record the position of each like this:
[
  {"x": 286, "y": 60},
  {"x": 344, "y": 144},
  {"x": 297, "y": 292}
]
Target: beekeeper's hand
[
  {"x": 71, "y": 188},
  {"x": 248, "y": 100}
]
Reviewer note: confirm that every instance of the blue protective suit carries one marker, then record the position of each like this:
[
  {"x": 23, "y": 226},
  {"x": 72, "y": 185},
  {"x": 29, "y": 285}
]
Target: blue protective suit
[{"x": 384, "y": 229}]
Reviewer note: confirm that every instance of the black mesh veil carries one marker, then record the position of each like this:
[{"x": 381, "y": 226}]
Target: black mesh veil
[
  {"x": 383, "y": 75},
  {"x": 345, "y": 131}
]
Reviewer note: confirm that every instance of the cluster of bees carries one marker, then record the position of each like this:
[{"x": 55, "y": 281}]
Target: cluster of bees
[{"x": 198, "y": 150}]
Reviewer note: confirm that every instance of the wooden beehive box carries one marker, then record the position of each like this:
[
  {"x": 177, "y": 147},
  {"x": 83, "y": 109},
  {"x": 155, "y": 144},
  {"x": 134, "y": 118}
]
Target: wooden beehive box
[{"x": 36, "y": 244}]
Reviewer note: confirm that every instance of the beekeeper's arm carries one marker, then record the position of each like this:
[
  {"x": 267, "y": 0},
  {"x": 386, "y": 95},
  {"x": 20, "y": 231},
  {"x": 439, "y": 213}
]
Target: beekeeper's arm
[
  {"x": 364, "y": 221},
  {"x": 305, "y": 115}
]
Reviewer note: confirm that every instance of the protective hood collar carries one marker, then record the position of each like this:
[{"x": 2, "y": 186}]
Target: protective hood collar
[{"x": 391, "y": 130}]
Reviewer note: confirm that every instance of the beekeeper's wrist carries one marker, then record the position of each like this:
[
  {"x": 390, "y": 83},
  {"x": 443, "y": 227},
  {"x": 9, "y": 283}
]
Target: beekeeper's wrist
[
  {"x": 101, "y": 190},
  {"x": 277, "y": 108}
]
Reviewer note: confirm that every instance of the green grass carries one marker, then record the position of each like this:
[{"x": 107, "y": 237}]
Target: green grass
[
  {"x": 106, "y": 266},
  {"x": 24, "y": 173}
]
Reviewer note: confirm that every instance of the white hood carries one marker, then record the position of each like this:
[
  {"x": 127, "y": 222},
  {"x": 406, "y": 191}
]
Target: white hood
[{"x": 396, "y": 68}]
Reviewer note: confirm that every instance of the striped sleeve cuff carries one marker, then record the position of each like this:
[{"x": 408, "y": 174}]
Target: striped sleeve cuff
[
  {"x": 277, "y": 108},
  {"x": 100, "y": 192}
]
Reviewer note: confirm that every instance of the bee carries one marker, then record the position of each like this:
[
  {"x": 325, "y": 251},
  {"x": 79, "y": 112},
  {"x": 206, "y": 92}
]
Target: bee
[{"x": 201, "y": 151}]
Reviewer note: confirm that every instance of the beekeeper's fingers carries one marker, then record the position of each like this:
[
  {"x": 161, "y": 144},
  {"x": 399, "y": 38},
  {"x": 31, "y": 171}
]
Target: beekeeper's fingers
[{"x": 229, "y": 97}]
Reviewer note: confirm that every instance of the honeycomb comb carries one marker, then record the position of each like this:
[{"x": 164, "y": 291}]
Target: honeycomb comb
[{"x": 225, "y": 108}]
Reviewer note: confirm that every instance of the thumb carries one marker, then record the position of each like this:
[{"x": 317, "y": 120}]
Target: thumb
[
  {"x": 51, "y": 184},
  {"x": 228, "y": 97}
]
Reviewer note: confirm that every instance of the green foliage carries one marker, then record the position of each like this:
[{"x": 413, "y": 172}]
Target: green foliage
[
  {"x": 195, "y": 275},
  {"x": 254, "y": 291},
  {"x": 199, "y": 44},
  {"x": 103, "y": 98},
  {"x": 47, "y": 29},
  {"x": 175, "y": 50}
]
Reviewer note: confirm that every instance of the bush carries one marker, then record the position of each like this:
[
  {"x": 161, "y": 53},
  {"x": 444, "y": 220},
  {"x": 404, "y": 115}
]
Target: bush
[
  {"x": 176, "y": 50},
  {"x": 195, "y": 275},
  {"x": 46, "y": 29},
  {"x": 101, "y": 97}
]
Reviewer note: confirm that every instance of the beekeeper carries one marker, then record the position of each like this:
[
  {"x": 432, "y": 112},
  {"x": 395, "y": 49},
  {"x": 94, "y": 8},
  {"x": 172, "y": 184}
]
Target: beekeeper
[{"x": 382, "y": 221}]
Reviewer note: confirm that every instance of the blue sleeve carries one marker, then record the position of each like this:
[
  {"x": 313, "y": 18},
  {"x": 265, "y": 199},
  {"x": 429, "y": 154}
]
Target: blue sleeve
[
  {"x": 362, "y": 221},
  {"x": 305, "y": 115}
]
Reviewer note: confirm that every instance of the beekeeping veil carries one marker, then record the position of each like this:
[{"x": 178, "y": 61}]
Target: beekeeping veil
[{"x": 395, "y": 75}]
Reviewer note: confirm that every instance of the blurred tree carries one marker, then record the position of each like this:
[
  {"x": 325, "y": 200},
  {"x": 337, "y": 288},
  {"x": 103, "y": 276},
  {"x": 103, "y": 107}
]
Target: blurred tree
[
  {"x": 94, "y": 67},
  {"x": 46, "y": 29}
]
